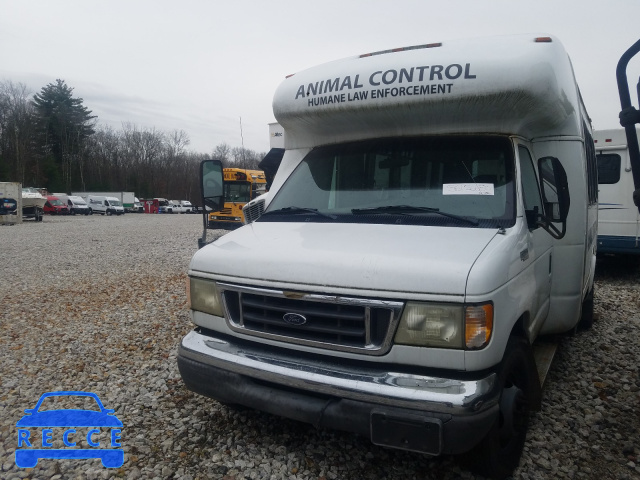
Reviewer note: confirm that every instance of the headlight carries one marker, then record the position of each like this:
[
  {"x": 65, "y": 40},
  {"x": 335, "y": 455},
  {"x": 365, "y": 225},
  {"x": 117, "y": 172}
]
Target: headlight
[
  {"x": 431, "y": 325},
  {"x": 203, "y": 295},
  {"x": 445, "y": 326}
]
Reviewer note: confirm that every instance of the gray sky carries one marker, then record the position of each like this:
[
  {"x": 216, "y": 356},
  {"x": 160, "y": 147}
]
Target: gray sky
[{"x": 200, "y": 66}]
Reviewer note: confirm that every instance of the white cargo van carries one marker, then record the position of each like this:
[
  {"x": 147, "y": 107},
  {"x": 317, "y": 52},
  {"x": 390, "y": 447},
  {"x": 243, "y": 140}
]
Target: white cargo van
[
  {"x": 618, "y": 218},
  {"x": 105, "y": 205},
  {"x": 77, "y": 205},
  {"x": 434, "y": 213}
]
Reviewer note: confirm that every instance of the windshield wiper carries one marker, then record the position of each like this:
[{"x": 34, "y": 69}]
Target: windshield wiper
[
  {"x": 407, "y": 209},
  {"x": 298, "y": 211}
]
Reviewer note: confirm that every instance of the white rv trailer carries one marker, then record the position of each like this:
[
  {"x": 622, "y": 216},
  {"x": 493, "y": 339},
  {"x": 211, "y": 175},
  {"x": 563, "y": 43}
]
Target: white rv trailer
[
  {"x": 618, "y": 218},
  {"x": 435, "y": 211}
]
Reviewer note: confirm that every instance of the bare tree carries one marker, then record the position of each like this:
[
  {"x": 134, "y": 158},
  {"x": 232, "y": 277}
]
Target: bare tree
[
  {"x": 222, "y": 152},
  {"x": 17, "y": 132}
]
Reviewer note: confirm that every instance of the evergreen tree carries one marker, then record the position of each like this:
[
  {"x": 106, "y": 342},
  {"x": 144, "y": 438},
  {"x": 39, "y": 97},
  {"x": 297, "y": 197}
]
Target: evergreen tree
[{"x": 64, "y": 124}]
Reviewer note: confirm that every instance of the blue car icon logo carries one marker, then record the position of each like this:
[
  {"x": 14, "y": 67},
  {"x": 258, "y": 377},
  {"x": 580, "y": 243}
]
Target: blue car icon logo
[{"x": 67, "y": 428}]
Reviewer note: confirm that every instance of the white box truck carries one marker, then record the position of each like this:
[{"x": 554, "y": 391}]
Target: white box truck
[
  {"x": 434, "y": 213},
  {"x": 618, "y": 218}
]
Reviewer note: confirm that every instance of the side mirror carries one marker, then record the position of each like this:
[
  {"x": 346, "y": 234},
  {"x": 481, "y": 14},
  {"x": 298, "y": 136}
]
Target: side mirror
[
  {"x": 555, "y": 195},
  {"x": 212, "y": 192},
  {"x": 211, "y": 180}
]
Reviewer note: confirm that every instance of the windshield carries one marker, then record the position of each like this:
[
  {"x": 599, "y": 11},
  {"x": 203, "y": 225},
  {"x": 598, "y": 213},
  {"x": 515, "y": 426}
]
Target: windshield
[
  {"x": 57, "y": 202},
  {"x": 426, "y": 181},
  {"x": 237, "y": 191},
  {"x": 78, "y": 201},
  {"x": 114, "y": 203}
]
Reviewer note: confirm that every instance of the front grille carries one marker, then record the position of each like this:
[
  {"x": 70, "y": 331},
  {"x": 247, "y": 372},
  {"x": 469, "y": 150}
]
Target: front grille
[
  {"x": 253, "y": 210},
  {"x": 339, "y": 323}
]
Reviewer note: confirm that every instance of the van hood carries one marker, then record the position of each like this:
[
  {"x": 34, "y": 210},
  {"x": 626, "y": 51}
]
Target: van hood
[{"x": 385, "y": 258}]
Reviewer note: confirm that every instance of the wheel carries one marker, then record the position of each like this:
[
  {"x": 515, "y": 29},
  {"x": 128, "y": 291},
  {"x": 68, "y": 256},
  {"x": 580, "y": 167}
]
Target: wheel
[
  {"x": 498, "y": 454},
  {"x": 586, "y": 317},
  {"x": 109, "y": 212},
  {"x": 90, "y": 211}
]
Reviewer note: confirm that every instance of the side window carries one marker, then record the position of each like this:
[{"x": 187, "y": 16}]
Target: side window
[
  {"x": 609, "y": 168},
  {"x": 530, "y": 188}
]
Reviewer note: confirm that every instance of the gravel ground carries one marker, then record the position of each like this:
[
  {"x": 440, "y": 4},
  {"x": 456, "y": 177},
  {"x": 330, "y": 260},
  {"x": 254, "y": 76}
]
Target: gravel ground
[{"x": 98, "y": 304}]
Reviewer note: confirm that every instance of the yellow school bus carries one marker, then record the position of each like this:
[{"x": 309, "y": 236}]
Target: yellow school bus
[{"x": 240, "y": 186}]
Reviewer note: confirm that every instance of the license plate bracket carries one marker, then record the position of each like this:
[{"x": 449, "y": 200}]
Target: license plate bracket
[{"x": 407, "y": 432}]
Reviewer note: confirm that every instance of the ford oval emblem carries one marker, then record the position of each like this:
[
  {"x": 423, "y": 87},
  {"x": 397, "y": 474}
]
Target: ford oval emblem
[{"x": 294, "y": 319}]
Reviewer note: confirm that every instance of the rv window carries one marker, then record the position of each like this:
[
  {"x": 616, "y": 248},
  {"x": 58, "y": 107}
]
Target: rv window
[
  {"x": 609, "y": 168},
  {"x": 468, "y": 176}
]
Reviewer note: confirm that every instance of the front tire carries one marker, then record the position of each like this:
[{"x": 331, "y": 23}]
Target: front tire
[
  {"x": 586, "y": 317},
  {"x": 498, "y": 454}
]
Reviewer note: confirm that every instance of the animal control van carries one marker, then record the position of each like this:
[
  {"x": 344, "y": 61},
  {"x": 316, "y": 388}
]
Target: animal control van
[{"x": 434, "y": 213}]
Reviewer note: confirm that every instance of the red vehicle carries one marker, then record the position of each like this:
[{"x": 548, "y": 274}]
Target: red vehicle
[{"x": 55, "y": 206}]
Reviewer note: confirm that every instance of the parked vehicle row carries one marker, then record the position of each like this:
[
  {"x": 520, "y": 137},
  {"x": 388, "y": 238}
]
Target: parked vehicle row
[
  {"x": 176, "y": 206},
  {"x": 88, "y": 204}
]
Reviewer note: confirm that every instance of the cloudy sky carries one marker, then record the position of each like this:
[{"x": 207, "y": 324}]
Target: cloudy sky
[{"x": 209, "y": 67}]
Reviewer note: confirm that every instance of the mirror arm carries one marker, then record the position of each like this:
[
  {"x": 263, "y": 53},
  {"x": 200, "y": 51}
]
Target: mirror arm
[{"x": 551, "y": 229}]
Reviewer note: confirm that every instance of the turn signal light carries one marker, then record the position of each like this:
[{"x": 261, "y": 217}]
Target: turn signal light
[{"x": 478, "y": 325}]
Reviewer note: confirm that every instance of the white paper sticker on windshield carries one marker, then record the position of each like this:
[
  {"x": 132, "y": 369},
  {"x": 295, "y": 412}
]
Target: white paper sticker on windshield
[{"x": 467, "y": 189}]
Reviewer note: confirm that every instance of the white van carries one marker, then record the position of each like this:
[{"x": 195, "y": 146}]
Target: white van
[
  {"x": 77, "y": 205},
  {"x": 618, "y": 218},
  {"x": 105, "y": 205},
  {"x": 434, "y": 213}
]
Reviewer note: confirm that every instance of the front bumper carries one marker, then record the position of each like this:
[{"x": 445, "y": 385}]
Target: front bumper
[
  {"x": 224, "y": 225},
  {"x": 421, "y": 413}
]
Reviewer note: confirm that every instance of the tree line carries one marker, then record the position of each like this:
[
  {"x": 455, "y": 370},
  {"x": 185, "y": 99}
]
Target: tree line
[{"x": 51, "y": 140}]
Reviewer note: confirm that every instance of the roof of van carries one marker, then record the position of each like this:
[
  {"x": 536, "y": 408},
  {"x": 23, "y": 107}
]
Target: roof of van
[{"x": 518, "y": 84}]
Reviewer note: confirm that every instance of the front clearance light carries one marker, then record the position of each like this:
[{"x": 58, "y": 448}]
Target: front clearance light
[
  {"x": 203, "y": 295},
  {"x": 431, "y": 325},
  {"x": 478, "y": 325}
]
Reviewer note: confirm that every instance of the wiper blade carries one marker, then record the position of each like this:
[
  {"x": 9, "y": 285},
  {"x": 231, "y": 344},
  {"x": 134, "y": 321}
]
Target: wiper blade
[
  {"x": 394, "y": 209},
  {"x": 298, "y": 211},
  {"x": 407, "y": 209}
]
